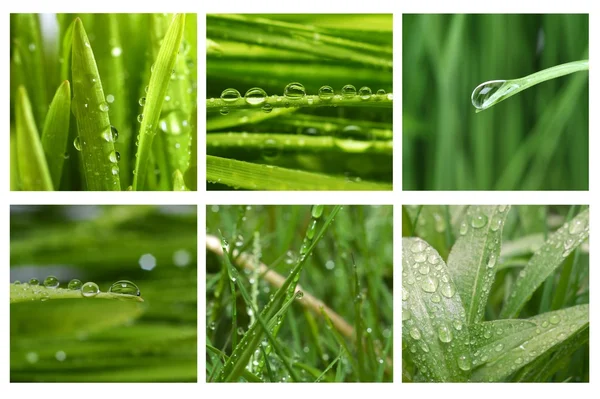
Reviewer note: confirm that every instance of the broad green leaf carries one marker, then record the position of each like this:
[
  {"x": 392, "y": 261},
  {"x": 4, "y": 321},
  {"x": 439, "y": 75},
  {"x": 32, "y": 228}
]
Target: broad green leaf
[
  {"x": 552, "y": 331},
  {"x": 434, "y": 326},
  {"x": 547, "y": 258},
  {"x": 240, "y": 174},
  {"x": 108, "y": 50},
  {"x": 472, "y": 260},
  {"x": 95, "y": 139},
  {"x": 157, "y": 90},
  {"x": 27, "y": 293},
  {"x": 33, "y": 169},
  {"x": 56, "y": 132}
]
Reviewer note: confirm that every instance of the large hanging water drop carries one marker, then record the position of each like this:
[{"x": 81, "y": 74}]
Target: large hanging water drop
[
  {"x": 488, "y": 93},
  {"x": 124, "y": 287}
]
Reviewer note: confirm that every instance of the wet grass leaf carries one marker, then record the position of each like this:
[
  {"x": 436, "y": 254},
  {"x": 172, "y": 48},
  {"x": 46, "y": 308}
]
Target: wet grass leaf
[{"x": 55, "y": 135}]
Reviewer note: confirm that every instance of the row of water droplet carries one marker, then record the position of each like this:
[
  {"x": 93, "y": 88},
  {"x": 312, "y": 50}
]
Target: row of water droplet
[{"x": 89, "y": 289}]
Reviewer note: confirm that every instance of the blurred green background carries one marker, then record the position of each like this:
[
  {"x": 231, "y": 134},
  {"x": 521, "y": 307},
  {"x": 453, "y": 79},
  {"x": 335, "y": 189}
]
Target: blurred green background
[
  {"x": 362, "y": 233},
  {"x": 536, "y": 140},
  {"x": 85, "y": 340}
]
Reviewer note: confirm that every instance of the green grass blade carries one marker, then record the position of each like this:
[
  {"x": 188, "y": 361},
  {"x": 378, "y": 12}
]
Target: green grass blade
[
  {"x": 28, "y": 293},
  {"x": 430, "y": 225},
  {"x": 33, "y": 169},
  {"x": 499, "y": 90},
  {"x": 551, "y": 332},
  {"x": 240, "y": 174},
  {"x": 549, "y": 257},
  {"x": 157, "y": 89},
  {"x": 191, "y": 174},
  {"x": 56, "y": 132},
  {"x": 179, "y": 182},
  {"x": 473, "y": 257},
  {"x": 65, "y": 53},
  {"x": 95, "y": 138},
  {"x": 433, "y": 317}
]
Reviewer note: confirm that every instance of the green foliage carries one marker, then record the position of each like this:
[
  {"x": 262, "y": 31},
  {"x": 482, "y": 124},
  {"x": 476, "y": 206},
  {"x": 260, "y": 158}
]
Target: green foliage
[
  {"x": 59, "y": 335},
  {"x": 445, "y": 302},
  {"x": 89, "y": 139},
  {"x": 291, "y": 321},
  {"x": 290, "y": 121},
  {"x": 536, "y": 140}
]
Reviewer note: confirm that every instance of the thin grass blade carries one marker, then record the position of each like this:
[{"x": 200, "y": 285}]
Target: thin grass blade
[
  {"x": 95, "y": 137},
  {"x": 33, "y": 168},
  {"x": 56, "y": 132}
]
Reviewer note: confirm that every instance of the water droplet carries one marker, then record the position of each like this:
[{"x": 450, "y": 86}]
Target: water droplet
[
  {"x": 463, "y": 228},
  {"x": 555, "y": 319},
  {"x": 294, "y": 91},
  {"x": 147, "y": 262},
  {"x": 271, "y": 149},
  {"x": 348, "y": 91},
  {"x": 380, "y": 93},
  {"x": 224, "y": 111},
  {"x": 488, "y": 93},
  {"x": 112, "y": 157},
  {"x": 457, "y": 325},
  {"x": 424, "y": 269},
  {"x": 34, "y": 281},
  {"x": 415, "y": 333},
  {"x": 110, "y": 98},
  {"x": 114, "y": 133},
  {"x": 77, "y": 143},
  {"x": 75, "y": 284},
  {"x": 114, "y": 169},
  {"x": 479, "y": 220},
  {"x": 487, "y": 334},
  {"x": 418, "y": 246},
  {"x": 545, "y": 324},
  {"x": 448, "y": 290},
  {"x": 464, "y": 363},
  {"x": 430, "y": 284},
  {"x": 496, "y": 222},
  {"x": 364, "y": 93},
  {"x": 326, "y": 93},
  {"x": 116, "y": 51},
  {"x": 16, "y": 282},
  {"x": 89, "y": 289},
  {"x": 499, "y": 347},
  {"x": 140, "y": 118},
  {"x": 212, "y": 325},
  {"x": 142, "y": 101},
  {"x": 406, "y": 315},
  {"x": 420, "y": 257},
  {"x": 299, "y": 295},
  {"x": 576, "y": 226},
  {"x": 444, "y": 334},
  {"x": 317, "y": 211},
  {"x": 519, "y": 360},
  {"x": 405, "y": 294},
  {"x": 124, "y": 287},
  {"x": 435, "y": 298},
  {"x": 491, "y": 261},
  {"x": 51, "y": 282},
  {"x": 255, "y": 96},
  {"x": 267, "y": 108}
]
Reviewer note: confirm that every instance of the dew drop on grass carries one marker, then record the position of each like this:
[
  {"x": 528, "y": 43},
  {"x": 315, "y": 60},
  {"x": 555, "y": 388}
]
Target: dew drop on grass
[
  {"x": 224, "y": 111},
  {"x": 555, "y": 319},
  {"x": 255, "y": 96},
  {"x": 34, "y": 281},
  {"x": 445, "y": 334},
  {"x": 103, "y": 107},
  {"x": 51, "y": 282},
  {"x": 499, "y": 347},
  {"x": 464, "y": 363},
  {"x": 114, "y": 169},
  {"x": 418, "y": 246},
  {"x": 112, "y": 157},
  {"x": 491, "y": 261},
  {"x": 483, "y": 95},
  {"x": 380, "y": 93},
  {"x": 89, "y": 289},
  {"x": 140, "y": 118},
  {"x": 479, "y": 220},
  {"x": 457, "y": 325},
  {"x": 142, "y": 101},
  {"x": 75, "y": 284},
  {"x": 448, "y": 290},
  {"x": 326, "y": 93},
  {"x": 406, "y": 315},
  {"x": 496, "y": 222},
  {"x": 405, "y": 294},
  {"x": 365, "y": 93},
  {"x": 430, "y": 284},
  {"x": 77, "y": 143},
  {"x": 16, "y": 282},
  {"x": 415, "y": 333},
  {"x": 435, "y": 298},
  {"x": 299, "y": 295},
  {"x": 294, "y": 91},
  {"x": 110, "y": 98},
  {"x": 267, "y": 108},
  {"x": 348, "y": 91},
  {"x": 114, "y": 133},
  {"x": 463, "y": 228},
  {"x": 576, "y": 227},
  {"x": 270, "y": 150},
  {"x": 124, "y": 287}
]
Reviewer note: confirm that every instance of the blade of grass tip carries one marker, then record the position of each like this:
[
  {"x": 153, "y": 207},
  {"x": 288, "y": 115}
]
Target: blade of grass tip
[
  {"x": 111, "y": 66},
  {"x": 65, "y": 53},
  {"x": 28, "y": 42},
  {"x": 32, "y": 166},
  {"x": 157, "y": 89},
  {"x": 250, "y": 340},
  {"x": 550, "y": 256},
  {"x": 56, "y": 132},
  {"x": 179, "y": 182},
  {"x": 329, "y": 366},
  {"x": 340, "y": 340},
  {"x": 235, "y": 281},
  {"x": 384, "y": 355},
  {"x": 95, "y": 139}
]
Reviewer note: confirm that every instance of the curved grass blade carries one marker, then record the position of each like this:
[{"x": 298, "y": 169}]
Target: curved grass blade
[
  {"x": 157, "y": 89},
  {"x": 109, "y": 55},
  {"x": 433, "y": 317},
  {"x": 547, "y": 258},
  {"x": 56, "y": 131},
  {"x": 28, "y": 43},
  {"x": 472, "y": 260},
  {"x": 251, "y": 339},
  {"x": 178, "y": 182},
  {"x": 33, "y": 169},
  {"x": 243, "y": 117},
  {"x": 491, "y": 93},
  {"x": 240, "y": 174},
  {"x": 191, "y": 174},
  {"x": 27, "y": 293},
  {"x": 90, "y": 108},
  {"x": 551, "y": 332},
  {"x": 65, "y": 52},
  {"x": 215, "y": 142}
]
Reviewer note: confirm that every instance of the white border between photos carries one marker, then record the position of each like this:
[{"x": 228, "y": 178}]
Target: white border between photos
[{"x": 202, "y": 198}]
